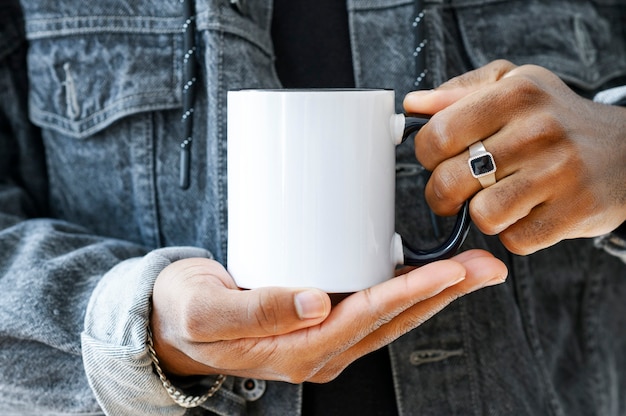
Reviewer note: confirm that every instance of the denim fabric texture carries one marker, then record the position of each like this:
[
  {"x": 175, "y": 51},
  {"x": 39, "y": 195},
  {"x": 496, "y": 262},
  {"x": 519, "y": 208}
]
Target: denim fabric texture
[{"x": 91, "y": 210}]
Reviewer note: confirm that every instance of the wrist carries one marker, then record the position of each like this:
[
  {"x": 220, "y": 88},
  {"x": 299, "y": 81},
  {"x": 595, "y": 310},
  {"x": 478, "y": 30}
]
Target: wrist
[{"x": 174, "y": 385}]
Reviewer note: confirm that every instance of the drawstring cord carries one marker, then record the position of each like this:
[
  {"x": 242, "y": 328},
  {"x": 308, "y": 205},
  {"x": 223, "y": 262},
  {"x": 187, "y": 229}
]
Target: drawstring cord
[
  {"x": 421, "y": 70},
  {"x": 189, "y": 83},
  {"x": 189, "y": 91},
  {"x": 419, "y": 53}
]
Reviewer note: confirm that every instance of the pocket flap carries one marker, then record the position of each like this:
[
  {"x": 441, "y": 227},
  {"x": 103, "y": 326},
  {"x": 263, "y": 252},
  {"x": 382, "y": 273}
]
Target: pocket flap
[
  {"x": 577, "y": 41},
  {"x": 84, "y": 81}
]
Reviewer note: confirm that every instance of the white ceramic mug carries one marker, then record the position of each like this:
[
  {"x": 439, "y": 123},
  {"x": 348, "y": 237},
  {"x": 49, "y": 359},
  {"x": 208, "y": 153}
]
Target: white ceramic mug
[{"x": 311, "y": 189}]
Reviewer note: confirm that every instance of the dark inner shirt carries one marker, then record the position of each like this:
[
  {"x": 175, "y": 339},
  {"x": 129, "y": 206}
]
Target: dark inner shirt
[{"x": 312, "y": 46}]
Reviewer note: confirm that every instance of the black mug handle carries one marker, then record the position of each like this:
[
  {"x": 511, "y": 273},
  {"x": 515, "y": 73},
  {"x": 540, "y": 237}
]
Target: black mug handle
[{"x": 413, "y": 257}]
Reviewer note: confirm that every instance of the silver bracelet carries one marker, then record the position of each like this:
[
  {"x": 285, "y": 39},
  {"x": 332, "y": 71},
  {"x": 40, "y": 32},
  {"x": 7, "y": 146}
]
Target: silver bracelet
[{"x": 180, "y": 398}]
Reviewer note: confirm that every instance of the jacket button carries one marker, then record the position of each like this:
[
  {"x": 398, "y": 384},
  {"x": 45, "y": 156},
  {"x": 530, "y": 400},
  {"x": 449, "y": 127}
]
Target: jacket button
[{"x": 250, "y": 389}]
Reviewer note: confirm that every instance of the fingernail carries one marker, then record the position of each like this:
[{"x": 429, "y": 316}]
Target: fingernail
[{"x": 310, "y": 305}]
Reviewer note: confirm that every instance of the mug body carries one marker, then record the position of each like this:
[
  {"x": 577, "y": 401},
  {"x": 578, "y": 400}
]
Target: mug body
[{"x": 311, "y": 182}]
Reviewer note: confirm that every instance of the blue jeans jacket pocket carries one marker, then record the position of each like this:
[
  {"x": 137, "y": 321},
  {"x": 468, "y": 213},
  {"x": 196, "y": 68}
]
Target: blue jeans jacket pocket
[
  {"x": 87, "y": 82},
  {"x": 576, "y": 41},
  {"x": 100, "y": 88}
]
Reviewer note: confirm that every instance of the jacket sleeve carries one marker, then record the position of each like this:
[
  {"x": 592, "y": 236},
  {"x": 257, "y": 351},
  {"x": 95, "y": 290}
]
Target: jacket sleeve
[
  {"x": 59, "y": 283},
  {"x": 613, "y": 243},
  {"x": 114, "y": 349}
]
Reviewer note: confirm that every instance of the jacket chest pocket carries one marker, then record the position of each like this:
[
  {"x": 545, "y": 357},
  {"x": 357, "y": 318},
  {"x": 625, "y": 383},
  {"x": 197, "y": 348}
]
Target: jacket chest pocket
[
  {"x": 98, "y": 85},
  {"x": 582, "y": 42},
  {"x": 90, "y": 72}
]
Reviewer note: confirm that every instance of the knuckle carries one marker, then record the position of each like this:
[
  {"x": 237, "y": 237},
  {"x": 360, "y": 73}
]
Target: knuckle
[
  {"x": 327, "y": 377},
  {"x": 327, "y": 374},
  {"x": 514, "y": 244},
  {"x": 192, "y": 329},
  {"x": 524, "y": 236},
  {"x": 265, "y": 312},
  {"x": 483, "y": 218},
  {"x": 303, "y": 362},
  {"x": 302, "y": 377},
  {"x": 302, "y": 373},
  {"x": 522, "y": 90},
  {"x": 498, "y": 68},
  {"x": 491, "y": 211},
  {"x": 444, "y": 185},
  {"x": 249, "y": 352},
  {"x": 442, "y": 142},
  {"x": 553, "y": 126},
  {"x": 313, "y": 365},
  {"x": 502, "y": 64},
  {"x": 192, "y": 321},
  {"x": 548, "y": 129}
]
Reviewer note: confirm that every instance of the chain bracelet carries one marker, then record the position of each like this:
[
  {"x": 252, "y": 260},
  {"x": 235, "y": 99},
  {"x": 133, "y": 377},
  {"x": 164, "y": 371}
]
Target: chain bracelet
[{"x": 180, "y": 398}]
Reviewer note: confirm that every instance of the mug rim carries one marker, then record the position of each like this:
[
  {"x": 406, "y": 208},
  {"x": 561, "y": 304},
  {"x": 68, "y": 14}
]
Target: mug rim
[{"x": 313, "y": 90}]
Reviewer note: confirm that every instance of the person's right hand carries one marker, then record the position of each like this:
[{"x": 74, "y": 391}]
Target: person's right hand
[
  {"x": 559, "y": 156},
  {"x": 203, "y": 324}
]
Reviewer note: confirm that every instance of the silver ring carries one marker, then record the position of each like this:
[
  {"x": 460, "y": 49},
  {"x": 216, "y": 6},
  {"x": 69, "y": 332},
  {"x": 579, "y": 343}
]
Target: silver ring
[{"x": 482, "y": 165}]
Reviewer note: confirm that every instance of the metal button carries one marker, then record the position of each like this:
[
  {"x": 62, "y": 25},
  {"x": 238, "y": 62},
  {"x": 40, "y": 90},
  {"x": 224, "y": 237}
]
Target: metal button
[{"x": 250, "y": 389}]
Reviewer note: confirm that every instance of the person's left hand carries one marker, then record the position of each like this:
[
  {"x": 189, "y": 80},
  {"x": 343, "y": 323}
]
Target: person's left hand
[{"x": 560, "y": 158}]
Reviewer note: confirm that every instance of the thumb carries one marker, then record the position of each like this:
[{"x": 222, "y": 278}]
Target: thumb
[
  {"x": 197, "y": 297},
  {"x": 433, "y": 101},
  {"x": 266, "y": 311}
]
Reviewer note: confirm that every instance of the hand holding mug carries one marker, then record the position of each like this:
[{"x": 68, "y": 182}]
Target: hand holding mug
[
  {"x": 560, "y": 158},
  {"x": 203, "y": 324}
]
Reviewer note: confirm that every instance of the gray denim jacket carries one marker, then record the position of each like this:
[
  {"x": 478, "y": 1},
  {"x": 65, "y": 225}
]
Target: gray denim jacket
[{"x": 91, "y": 212}]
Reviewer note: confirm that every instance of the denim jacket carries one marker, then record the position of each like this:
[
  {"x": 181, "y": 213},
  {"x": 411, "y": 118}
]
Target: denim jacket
[{"x": 91, "y": 210}]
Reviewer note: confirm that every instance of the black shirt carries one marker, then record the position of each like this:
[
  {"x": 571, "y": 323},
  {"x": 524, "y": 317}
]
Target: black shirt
[{"x": 312, "y": 46}]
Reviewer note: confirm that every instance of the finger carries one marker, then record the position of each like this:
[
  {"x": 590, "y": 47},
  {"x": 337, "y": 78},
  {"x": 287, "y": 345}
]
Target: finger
[
  {"x": 476, "y": 117},
  {"x": 451, "y": 183},
  {"x": 433, "y": 101},
  {"x": 262, "y": 312},
  {"x": 378, "y": 304},
  {"x": 496, "y": 207},
  {"x": 351, "y": 320},
  {"x": 543, "y": 227},
  {"x": 451, "y": 92},
  {"x": 381, "y": 303},
  {"x": 530, "y": 234},
  {"x": 501, "y": 205},
  {"x": 530, "y": 171},
  {"x": 209, "y": 307},
  {"x": 482, "y": 270},
  {"x": 465, "y": 256}
]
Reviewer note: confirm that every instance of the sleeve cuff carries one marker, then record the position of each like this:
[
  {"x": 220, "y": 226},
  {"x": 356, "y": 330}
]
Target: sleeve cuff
[
  {"x": 613, "y": 96},
  {"x": 613, "y": 244},
  {"x": 114, "y": 350}
]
